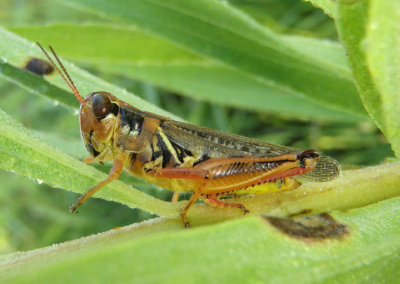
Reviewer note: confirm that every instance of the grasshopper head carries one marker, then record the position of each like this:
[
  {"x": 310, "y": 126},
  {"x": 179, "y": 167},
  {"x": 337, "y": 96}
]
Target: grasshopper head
[
  {"x": 98, "y": 113},
  {"x": 98, "y": 119}
]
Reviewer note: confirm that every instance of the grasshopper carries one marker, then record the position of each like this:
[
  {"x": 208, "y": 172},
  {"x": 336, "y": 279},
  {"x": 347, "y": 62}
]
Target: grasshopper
[{"x": 183, "y": 157}]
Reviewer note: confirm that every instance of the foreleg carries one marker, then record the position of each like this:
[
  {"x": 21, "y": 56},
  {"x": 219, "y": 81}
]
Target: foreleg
[{"x": 115, "y": 172}]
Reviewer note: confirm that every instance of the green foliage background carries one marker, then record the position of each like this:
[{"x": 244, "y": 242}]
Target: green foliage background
[{"x": 272, "y": 70}]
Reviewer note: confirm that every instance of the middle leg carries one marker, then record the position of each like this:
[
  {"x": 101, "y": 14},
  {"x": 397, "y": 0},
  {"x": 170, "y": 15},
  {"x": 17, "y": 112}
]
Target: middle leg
[{"x": 185, "y": 173}]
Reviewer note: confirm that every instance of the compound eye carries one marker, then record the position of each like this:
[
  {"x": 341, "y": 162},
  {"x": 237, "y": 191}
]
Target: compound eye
[{"x": 101, "y": 105}]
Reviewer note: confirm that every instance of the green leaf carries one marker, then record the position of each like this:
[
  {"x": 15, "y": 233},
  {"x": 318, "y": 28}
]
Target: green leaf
[
  {"x": 328, "y": 6},
  {"x": 384, "y": 62},
  {"x": 374, "y": 59},
  {"x": 243, "y": 250},
  {"x": 36, "y": 84},
  {"x": 18, "y": 51},
  {"x": 288, "y": 17},
  {"x": 218, "y": 31},
  {"x": 129, "y": 52},
  {"x": 352, "y": 34}
]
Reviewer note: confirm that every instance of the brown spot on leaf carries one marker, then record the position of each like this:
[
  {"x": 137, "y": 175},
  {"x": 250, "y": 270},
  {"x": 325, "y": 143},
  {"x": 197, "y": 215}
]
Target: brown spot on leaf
[
  {"x": 39, "y": 66},
  {"x": 310, "y": 228}
]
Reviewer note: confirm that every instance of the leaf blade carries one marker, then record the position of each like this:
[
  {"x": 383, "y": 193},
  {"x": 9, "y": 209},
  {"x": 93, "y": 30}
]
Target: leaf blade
[
  {"x": 245, "y": 243},
  {"x": 18, "y": 50},
  {"x": 384, "y": 62},
  {"x": 237, "y": 42},
  {"x": 130, "y": 52}
]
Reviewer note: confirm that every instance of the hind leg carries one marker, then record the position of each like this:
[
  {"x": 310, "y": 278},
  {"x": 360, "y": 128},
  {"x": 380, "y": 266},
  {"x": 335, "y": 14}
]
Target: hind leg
[{"x": 213, "y": 200}]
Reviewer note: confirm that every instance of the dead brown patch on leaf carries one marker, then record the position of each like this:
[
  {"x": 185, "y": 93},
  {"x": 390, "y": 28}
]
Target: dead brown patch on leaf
[
  {"x": 310, "y": 228},
  {"x": 39, "y": 66}
]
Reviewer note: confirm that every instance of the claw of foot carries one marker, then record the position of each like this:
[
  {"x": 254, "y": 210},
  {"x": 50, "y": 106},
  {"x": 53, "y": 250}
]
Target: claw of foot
[{"x": 185, "y": 221}]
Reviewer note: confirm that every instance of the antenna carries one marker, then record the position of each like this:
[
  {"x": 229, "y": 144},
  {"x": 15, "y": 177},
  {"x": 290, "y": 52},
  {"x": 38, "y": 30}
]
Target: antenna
[{"x": 64, "y": 75}]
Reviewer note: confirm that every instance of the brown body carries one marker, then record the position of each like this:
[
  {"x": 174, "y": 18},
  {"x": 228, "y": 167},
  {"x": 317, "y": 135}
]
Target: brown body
[{"x": 186, "y": 158}]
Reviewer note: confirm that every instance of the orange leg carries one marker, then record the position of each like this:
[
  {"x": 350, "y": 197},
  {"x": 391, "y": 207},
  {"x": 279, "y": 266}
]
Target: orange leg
[
  {"x": 191, "y": 202},
  {"x": 188, "y": 173},
  {"x": 115, "y": 172},
  {"x": 212, "y": 200}
]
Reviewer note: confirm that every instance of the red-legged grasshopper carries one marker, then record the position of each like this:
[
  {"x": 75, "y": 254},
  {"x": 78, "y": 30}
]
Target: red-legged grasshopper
[{"x": 183, "y": 157}]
